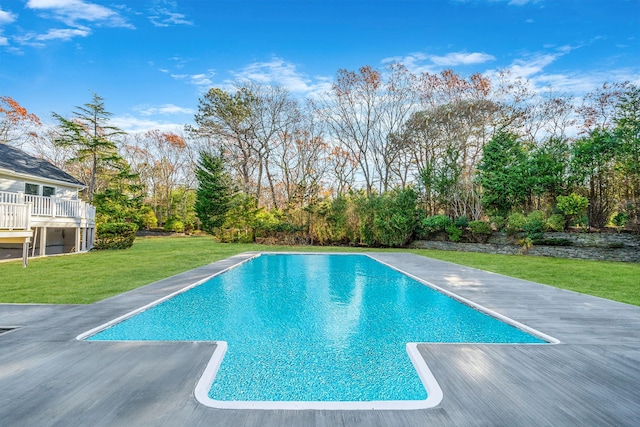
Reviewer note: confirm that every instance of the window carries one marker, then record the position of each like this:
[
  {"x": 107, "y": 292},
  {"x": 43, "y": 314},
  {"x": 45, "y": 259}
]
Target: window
[
  {"x": 48, "y": 191},
  {"x": 31, "y": 189}
]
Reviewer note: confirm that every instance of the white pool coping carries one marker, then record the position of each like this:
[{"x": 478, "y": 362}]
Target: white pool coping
[{"x": 434, "y": 392}]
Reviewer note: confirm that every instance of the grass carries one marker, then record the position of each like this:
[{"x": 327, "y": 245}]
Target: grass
[{"x": 86, "y": 278}]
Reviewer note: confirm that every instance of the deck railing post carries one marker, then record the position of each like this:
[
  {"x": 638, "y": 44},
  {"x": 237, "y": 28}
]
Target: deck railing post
[{"x": 27, "y": 217}]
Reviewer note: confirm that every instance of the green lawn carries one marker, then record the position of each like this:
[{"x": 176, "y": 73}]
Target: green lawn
[{"x": 86, "y": 278}]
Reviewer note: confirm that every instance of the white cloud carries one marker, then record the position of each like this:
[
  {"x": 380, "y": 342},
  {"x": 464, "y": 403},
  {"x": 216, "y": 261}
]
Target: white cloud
[
  {"x": 533, "y": 65},
  {"x": 535, "y": 70},
  {"x": 419, "y": 62},
  {"x": 279, "y": 72},
  {"x": 202, "y": 79},
  {"x": 580, "y": 83},
  {"x": 164, "y": 18},
  {"x": 522, "y": 2},
  {"x": 63, "y": 34},
  {"x": 71, "y": 12},
  {"x": 529, "y": 67},
  {"x": 413, "y": 61},
  {"x": 132, "y": 124},
  {"x": 163, "y": 14},
  {"x": 462, "y": 58},
  {"x": 165, "y": 109},
  {"x": 6, "y": 17}
]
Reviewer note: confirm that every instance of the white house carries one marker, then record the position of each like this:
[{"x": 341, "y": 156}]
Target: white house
[{"x": 40, "y": 213}]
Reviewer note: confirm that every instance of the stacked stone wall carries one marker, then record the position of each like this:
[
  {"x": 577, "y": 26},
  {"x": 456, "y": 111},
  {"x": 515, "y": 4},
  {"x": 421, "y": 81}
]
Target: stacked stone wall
[{"x": 595, "y": 246}]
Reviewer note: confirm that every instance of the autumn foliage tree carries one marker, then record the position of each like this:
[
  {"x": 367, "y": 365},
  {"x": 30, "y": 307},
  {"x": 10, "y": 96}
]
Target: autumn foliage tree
[
  {"x": 163, "y": 161},
  {"x": 16, "y": 123}
]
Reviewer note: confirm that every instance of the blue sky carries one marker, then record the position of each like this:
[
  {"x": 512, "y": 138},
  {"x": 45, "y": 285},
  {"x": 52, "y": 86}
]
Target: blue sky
[{"x": 152, "y": 59}]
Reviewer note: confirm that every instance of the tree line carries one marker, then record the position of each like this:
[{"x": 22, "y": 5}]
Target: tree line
[{"x": 369, "y": 161}]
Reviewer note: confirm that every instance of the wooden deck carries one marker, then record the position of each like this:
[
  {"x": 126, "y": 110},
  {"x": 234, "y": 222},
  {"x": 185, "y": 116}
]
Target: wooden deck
[{"x": 592, "y": 377}]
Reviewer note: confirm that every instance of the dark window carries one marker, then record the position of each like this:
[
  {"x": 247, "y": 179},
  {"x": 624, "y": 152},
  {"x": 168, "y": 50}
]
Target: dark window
[
  {"x": 31, "y": 189},
  {"x": 48, "y": 191}
]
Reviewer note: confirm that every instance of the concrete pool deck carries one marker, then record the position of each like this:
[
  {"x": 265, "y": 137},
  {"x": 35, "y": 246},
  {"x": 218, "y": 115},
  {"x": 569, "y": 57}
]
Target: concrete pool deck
[{"x": 592, "y": 377}]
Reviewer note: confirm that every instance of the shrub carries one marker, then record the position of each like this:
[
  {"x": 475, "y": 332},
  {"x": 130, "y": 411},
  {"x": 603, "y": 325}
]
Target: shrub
[
  {"x": 581, "y": 221},
  {"x": 436, "y": 223},
  {"x": 536, "y": 216},
  {"x": 534, "y": 226},
  {"x": 337, "y": 219},
  {"x": 480, "y": 227},
  {"x": 498, "y": 222},
  {"x": 454, "y": 233},
  {"x": 395, "y": 217},
  {"x": 534, "y": 230},
  {"x": 461, "y": 222},
  {"x": 572, "y": 206},
  {"x": 620, "y": 220},
  {"x": 556, "y": 222},
  {"x": 515, "y": 222},
  {"x": 265, "y": 221},
  {"x": 115, "y": 235},
  {"x": 148, "y": 218},
  {"x": 174, "y": 224}
]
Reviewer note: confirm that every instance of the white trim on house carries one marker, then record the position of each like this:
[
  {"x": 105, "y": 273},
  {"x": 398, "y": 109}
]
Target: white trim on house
[{"x": 34, "y": 178}]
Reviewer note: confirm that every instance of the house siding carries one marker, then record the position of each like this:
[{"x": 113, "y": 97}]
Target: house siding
[
  {"x": 10, "y": 185},
  {"x": 13, "y": 185}
]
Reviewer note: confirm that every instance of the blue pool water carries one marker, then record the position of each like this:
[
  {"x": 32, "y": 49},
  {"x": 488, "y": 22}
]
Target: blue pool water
[{"x": 315, "y": 328}]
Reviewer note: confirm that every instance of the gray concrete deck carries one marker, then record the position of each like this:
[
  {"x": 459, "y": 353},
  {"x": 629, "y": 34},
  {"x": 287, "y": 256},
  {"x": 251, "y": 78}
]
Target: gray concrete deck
[{"x": 592, "y": 378}]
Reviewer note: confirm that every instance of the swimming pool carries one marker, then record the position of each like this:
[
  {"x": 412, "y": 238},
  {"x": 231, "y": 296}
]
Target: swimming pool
[{"x": 315, "y": 331}]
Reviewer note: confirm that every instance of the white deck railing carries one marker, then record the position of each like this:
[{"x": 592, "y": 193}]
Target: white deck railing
[
  {"x": 15, "y": 216},
  {"x": 52, "y": 207}
]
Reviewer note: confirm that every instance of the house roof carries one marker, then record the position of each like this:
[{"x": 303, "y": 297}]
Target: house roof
[{"x": 18, "y": 161}]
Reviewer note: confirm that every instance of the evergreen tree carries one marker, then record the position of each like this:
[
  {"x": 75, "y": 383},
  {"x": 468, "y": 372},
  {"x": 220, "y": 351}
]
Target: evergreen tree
[
  {"x": 548, "y": 165},
  {"x": 593, "y": 165},
  {"x": 502, "y": 174},
  {"x": 215, "y": 192},
  {"x": 92, "y": 138},
  {"x": 628, "y": 132}
]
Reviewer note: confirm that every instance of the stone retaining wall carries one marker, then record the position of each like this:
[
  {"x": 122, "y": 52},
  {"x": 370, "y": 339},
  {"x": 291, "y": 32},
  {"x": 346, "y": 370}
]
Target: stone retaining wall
[
  {"x": 596, "y": 246},
  {"x": 157, "y": 233}
]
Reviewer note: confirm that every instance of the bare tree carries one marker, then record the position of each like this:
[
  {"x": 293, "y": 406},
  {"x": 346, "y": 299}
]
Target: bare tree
[
  {"x": 163, "y": 162},
  {"x": 275, "y": 115},
  {"x": 362, "y": 112},
  {"x": 302, "y": 161},
  {"x": 226, "y": 121}
]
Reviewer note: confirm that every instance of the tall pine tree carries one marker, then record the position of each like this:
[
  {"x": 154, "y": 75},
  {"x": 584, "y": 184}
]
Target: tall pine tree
[
  {"x": 502, "y": 174},
  {"x": 215, "y": 192},
  {"x": 92, "y": 138}
]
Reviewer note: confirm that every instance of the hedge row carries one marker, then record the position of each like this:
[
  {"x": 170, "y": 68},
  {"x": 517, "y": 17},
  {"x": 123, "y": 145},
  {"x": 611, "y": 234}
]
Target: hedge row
[{"x": 115, "y": 235}]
